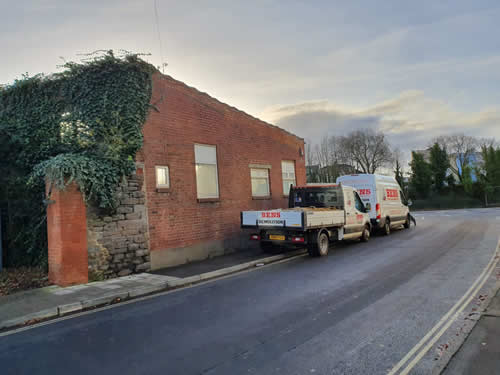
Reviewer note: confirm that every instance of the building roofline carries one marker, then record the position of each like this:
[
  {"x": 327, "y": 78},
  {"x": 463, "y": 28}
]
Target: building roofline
[{"x": 166, "y": 76}]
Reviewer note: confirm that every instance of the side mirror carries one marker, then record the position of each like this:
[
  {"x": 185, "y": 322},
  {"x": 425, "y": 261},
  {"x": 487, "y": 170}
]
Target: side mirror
[
  {"x": 409, "y": 203},
  {"x": 368, "y": 206}
]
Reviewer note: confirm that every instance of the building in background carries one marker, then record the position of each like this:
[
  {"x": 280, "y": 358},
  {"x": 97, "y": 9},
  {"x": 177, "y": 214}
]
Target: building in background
[{"x": 474, "y": 160}]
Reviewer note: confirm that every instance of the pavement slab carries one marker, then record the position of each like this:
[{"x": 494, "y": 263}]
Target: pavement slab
[
  {"x": 212, "y": 264},
  {"x": 53, "y": 301},
  {"x": 480, "y": 353}
]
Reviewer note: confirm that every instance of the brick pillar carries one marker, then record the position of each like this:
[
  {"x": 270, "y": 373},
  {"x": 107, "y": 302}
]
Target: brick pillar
[{"x": 67, "y": 237}]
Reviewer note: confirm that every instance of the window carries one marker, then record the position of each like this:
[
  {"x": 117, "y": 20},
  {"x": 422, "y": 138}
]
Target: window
[
  {"x": 162, "y": 177},
  {"x": 288, "y": 175},
  {"x": 207, "y": 184},
  {"x": 358, "y": 203},
  {"x": 318, "y": 198},
  {"x": 260, "y": 182}
]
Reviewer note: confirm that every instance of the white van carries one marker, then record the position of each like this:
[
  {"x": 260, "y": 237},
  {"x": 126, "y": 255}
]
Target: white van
[{"x": 387, "y": 204}]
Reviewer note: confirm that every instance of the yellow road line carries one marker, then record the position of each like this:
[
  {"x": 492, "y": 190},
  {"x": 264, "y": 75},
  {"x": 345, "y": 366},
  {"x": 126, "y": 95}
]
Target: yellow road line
[
  {"x": 429, "y": 334},
  {"x": 429, "y": 345}
]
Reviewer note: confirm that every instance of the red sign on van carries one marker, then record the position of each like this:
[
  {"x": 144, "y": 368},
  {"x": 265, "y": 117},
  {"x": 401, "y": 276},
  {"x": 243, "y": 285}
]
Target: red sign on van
[
  {"x": 391, "y": 194},
  {"x": 364, "y": 191}
]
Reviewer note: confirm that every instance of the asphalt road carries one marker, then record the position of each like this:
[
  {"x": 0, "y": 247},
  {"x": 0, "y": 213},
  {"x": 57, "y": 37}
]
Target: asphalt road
[{"x": 357, "y": 311}]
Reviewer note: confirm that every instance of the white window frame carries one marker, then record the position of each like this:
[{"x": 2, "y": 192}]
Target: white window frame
[
  {"x": 256, "y": 168},
  {"x": 287, "y": 178},
  {"x": 167, "y": 176},
  {"x": 216, "y": 196}
]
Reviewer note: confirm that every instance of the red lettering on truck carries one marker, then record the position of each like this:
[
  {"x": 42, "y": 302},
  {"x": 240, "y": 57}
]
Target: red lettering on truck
[{"x": 270, "y": 214}]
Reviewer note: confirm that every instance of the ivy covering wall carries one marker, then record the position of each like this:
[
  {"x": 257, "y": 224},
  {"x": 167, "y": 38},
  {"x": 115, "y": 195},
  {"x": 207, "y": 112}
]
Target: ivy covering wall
[{"x": 83, "y": 125}]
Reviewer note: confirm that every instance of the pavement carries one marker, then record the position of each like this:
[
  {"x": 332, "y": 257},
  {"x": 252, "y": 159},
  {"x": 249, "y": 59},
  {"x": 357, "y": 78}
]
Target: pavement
[
  {"x": 32, "y": 306},
  {"x": 480, "y": 353},
  {"x": 399, "y": 304}
]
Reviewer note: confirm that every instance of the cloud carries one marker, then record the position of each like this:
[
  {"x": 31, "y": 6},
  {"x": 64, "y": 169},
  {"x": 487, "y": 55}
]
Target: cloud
[{"x": 411, "y": 120}]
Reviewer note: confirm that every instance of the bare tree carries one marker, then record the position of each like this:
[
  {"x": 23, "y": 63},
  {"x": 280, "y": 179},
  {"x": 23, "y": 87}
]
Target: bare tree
[
  {"x": 324, "y": 154},
  {"x": 328, "y": 156},
  {"x": 460, "y": 147},
  {"x": 486, "y": 143},
  {"x": 366, "y": 150},
  {"x": 310, "y": 159}
]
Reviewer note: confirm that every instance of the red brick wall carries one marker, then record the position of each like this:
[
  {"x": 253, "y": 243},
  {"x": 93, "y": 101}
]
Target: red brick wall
[
  {"x": 67, "y": 237},
  {"x": 185, "y": 117}
]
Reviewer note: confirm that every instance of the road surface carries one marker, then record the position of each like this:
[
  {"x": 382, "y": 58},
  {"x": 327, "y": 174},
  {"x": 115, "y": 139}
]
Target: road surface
[{"x": 358, "y": 311}]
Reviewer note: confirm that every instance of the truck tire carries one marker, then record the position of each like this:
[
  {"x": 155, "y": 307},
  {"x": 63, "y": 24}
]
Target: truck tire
[
  {"x": 387, "y": 227},
  {"x": 318, "y": 246},
  {"x": 322, "y": 244},
  {"x": 365, "y": 236},
  {"x": 407, "y": 222}
]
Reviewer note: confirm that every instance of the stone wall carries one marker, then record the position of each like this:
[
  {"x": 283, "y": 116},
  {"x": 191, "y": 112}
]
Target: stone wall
[{"x": 118, "y": 244}]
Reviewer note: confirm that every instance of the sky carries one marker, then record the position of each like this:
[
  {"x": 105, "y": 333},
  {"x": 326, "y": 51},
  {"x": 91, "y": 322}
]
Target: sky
[{"x": 412, "y": 69}]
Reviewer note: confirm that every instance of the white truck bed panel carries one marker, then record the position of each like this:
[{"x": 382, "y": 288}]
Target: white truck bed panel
[
  {"x": 292, "y": 218},
  {"x": 325, "y": 218},
  {"x": 272, "y": 218}
]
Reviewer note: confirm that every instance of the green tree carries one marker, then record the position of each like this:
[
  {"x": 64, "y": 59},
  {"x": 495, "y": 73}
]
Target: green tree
[
  {"x": 398, "y": 174},
  {"x": 489, "y": 173},
  {"x": 439, "y": 164},
  {"x": 467, "y": 181},
  {"x": 450, "y": 180},
  {"x": 421, "y": 175}
]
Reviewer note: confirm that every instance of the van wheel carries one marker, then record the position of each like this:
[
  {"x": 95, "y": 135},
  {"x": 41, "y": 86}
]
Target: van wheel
[
  {"x": 365, "y": 236},
  {"x": 407, "y": 222},
  {"x": 387, "y": 227}
]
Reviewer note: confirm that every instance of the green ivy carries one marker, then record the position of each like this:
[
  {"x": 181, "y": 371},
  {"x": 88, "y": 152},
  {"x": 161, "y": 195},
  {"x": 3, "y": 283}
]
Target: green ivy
[{"x": 83, "y": 124}]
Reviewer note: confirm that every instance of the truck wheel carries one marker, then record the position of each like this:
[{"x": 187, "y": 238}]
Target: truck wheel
[
  {"x": 407, "y": 222},
  {"x": 365, "y": 236},
  {"x": 387, "y": 227},
  {"x": 323, "y": 244}
]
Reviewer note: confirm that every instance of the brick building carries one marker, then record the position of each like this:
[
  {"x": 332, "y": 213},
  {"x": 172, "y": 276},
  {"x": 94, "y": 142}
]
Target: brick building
[{"x": 204, "y": 162}]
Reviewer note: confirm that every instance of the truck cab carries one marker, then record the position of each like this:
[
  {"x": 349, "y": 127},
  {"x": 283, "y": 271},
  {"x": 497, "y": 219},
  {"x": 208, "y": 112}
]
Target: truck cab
[{"x": 330, "y": 196}]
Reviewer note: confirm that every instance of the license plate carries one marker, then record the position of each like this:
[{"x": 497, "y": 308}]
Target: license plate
[{"x": 276, "y": 237}]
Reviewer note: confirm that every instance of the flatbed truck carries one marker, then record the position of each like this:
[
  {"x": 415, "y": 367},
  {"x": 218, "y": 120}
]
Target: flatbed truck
[{"x": 316, "y": 216}]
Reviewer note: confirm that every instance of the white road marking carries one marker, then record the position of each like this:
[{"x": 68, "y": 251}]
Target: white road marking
[{"x": 452, "y": 313}]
